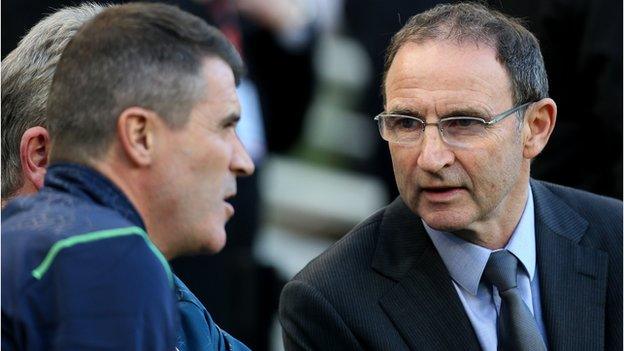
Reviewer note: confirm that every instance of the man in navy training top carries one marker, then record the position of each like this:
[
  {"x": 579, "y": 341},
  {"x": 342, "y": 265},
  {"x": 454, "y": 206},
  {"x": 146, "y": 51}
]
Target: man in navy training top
[{"x": 143, "y": 107}]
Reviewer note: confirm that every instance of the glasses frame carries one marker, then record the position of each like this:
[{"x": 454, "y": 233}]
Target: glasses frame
[{"x": 495, "y": 119}]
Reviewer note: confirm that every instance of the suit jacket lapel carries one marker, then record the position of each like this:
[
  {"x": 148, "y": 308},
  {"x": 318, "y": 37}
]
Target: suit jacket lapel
[
  {"x": 423, "y": 305},
  {"x": 573, "y": 278}
]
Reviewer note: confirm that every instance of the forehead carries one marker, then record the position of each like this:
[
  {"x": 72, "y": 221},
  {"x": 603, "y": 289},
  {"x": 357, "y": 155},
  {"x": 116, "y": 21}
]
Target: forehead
[
  {"x": 445, "y": 73},
  {"x": 220, "y": 89}
]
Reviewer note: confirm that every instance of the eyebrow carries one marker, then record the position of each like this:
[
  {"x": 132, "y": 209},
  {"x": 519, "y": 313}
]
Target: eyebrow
[
  {"x": 466, "y": 112},
  {"x": 405, "y": 112},
  {"x": 459, "y": 112}
]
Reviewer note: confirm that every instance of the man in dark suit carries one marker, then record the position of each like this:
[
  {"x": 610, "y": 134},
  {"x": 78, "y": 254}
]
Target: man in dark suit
[{"x": 474, "y": 254}]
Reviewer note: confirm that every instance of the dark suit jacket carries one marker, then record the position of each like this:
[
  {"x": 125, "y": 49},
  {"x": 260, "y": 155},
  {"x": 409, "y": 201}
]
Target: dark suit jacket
[{"x": 384, "y": 286}]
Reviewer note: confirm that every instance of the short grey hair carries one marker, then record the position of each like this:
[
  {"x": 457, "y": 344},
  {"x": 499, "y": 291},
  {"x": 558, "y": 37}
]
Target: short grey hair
[
  {"x": 27, "y": 74},
  {"x": 136, "y": 54},
  {"x": 516, "y": 48}
]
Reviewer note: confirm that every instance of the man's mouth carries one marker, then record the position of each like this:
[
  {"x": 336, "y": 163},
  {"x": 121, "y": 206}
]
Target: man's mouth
[
  {"x": 229, "y": 209},
  {"x": 440, "y": 189},
  {"x": 441, "y": 193}
]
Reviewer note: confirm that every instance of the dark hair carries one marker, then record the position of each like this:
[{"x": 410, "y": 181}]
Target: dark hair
[
  {"x": 516, "y": 48},
  {"x": 137, "y": 54}
]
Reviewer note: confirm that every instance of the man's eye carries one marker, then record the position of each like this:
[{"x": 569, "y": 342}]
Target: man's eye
[
  {"x": 231, "y": 125},
  {"x": 461, "y": 123},
  {"x": 404, "y": 123}
]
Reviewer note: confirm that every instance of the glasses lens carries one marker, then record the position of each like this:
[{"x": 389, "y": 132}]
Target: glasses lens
[
  {"x": 462, "y": 130},
  {"x": 400, "y": 129}
]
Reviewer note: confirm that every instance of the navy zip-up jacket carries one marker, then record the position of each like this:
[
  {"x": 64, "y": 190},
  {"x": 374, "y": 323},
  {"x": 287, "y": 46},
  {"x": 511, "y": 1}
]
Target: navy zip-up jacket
[
  {"x": 198, "y": 332},
  {"x": 80, "y": 273},
  {"x": 83, "y": 221}
]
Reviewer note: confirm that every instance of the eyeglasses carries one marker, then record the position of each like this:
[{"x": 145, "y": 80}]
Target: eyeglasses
[{"x": 456, "y": 131}]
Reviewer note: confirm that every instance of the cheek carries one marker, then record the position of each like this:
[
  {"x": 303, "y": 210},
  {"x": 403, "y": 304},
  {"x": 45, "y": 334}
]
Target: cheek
[
  {"x": 213, "y": 175},
  {"x": 494, "y": 169},
  {"x": 211, "y": 158},
  {"x": 404, "y": 163}
]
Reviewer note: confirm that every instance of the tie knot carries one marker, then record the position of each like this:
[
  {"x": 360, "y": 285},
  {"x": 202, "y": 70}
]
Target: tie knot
[{"x": 501, "y": 270}]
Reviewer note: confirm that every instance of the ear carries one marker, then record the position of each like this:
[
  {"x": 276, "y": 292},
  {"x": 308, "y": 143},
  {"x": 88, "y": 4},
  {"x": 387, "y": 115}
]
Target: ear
[
  {"x": 34, "y": 150},
  {"x": 538, "y": 125},
  {"x": 135, "y": 129}
]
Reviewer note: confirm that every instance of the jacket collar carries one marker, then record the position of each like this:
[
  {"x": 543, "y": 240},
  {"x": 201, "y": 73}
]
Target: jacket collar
[
  {"x": 573, "y": 277},
  {"x": 423, "y": 305},
  {"x": 86, "y": 183},
  {"x": 402, "y": 241}
]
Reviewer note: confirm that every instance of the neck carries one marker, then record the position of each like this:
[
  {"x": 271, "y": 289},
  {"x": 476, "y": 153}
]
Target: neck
[
  {"x": 27, "y": 188},
  {"x": 133, "y": 182}
]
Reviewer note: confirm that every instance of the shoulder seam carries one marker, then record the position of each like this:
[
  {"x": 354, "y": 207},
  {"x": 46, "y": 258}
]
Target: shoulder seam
[{"x": 43, "y": 267}]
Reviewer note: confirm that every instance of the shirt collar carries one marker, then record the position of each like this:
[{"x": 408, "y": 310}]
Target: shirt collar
[
  {"x": 466, "y": 261},
  {"x": 87, "y": 183}
]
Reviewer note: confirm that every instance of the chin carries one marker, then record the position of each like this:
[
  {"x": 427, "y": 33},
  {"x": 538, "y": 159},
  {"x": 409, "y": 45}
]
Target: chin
[
  {"x": 445, "y": 226},
  {"x": 215, "y": 242},
  {"x": 446, "y": 221}
]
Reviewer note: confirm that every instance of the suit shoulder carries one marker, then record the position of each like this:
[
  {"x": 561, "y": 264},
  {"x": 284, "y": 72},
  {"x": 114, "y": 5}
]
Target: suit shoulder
[
  {"x": 350, "y": 254},
  {"x": 591, "y": 206},
  {"x": 602, "y": 215}
]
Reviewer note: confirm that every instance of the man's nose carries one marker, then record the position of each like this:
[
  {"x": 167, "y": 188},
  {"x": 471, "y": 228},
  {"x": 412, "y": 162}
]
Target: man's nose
[
  {"x": 242, "y": 165},
  {"x": 435, "y": 154}
]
